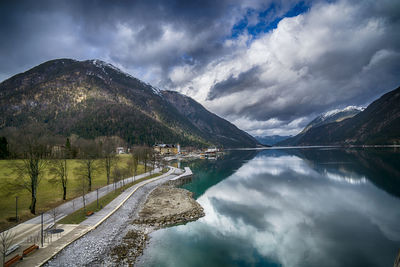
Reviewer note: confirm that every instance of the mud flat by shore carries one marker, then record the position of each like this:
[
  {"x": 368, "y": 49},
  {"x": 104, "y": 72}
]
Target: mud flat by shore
[{"x": 165, "y": 206}]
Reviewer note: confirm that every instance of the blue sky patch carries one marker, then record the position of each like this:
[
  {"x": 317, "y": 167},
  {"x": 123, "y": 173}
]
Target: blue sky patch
[{"x": 265, "y": 24}]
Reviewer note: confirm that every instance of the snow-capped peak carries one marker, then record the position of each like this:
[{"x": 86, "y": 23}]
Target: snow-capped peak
[
  {"x": 101, "y": 64},
  {"x": 156, "y": 90},
  {"x": 336, "y": 111}
]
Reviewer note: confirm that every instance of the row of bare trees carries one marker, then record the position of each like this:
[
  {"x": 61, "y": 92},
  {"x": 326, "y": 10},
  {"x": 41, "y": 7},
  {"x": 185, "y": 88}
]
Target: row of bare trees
[{"x": 40, "y": 154}]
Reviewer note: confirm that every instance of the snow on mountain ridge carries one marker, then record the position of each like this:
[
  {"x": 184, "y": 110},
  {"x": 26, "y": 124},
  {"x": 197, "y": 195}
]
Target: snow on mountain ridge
[
  {"x": 101, "y": 64},
  {"x": 336, "y": 111}
]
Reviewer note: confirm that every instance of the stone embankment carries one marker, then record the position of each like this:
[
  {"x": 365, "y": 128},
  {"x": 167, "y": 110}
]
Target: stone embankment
[
  {"x": 165, "y": 206},
  {"x": 168, "y": 205},
  {"x": 131, "y": 247}
]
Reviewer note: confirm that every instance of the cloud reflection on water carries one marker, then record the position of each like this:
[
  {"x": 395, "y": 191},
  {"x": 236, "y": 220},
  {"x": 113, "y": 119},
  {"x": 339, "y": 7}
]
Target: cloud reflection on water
[{"x": 286, "y": 210}]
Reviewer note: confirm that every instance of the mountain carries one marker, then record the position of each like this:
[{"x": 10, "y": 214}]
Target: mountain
[
  {"x": 271, "y": 140},
  {"x": 378, "y": 124},
  {"x": 219, "y": 130},
  {"x": 92, "y": 98},
  {"x": 336, "y": 115}
]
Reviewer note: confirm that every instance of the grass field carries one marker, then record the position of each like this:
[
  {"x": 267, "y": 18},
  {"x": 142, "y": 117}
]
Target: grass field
[
  {"x": 49, "y": 194},
  {"x": 80, "y": 215}
]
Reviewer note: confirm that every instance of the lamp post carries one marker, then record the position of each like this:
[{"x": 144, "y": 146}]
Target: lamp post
[
  {"x": 16, "y": 209},
  {"x": 41, "y": 231}
]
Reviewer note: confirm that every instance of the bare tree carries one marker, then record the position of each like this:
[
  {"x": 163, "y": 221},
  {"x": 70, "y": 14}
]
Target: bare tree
[
  {"x": 30, "y": 169},
  {"x": 135, "y": 161},
  {"x": 59, "y": 169},
  {"x": 108, "y": 153},
  {"x": 130, "y": 166},
  {"x": 88, "y": 164},
  {"x": 109, "y": 160},
  {"x": 54, "y": 213},
  {"x": 158, "y": 159},
  {"x": 6, "y": 240},
  {"x": 83, "y": 189},
  {"x": 116, "y": 175},
  {"x": 143, "y": 155},
  {"x": 83, "y": 192},
  {"x": 119, "y": 174},
  {"x": 153, "y": 158},
  {"x": 161, "y": 161}
]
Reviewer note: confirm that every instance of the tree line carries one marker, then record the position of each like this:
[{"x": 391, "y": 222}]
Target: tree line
[{"x": 39, "y": 153}]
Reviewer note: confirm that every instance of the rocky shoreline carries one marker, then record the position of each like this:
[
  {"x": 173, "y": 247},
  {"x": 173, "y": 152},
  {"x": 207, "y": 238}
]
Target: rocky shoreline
[
  {"x": 131, "y": 247},
  {"x": 165, "y": 206}
]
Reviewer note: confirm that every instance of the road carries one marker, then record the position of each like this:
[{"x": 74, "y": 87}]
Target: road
[{"x": 30, "y": 230}]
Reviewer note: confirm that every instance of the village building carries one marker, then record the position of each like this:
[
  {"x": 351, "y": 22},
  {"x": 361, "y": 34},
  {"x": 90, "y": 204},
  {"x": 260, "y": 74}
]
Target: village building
[
  {"x": 167, "y": 149},
  {"x": 211, "y": 150},
  {"x": 120, "y": 150}
]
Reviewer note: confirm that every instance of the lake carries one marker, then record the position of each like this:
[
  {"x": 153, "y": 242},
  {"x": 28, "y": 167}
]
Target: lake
[{"x": 289, "y": 207}]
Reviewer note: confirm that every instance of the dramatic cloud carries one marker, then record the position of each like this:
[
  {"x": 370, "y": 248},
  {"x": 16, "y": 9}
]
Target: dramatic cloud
[
  {"x": 267, "y": 66},
  {"x": 332, "y": 56}
]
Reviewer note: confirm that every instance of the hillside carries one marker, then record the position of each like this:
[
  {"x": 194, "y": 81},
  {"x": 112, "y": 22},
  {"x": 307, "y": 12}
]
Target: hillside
[
  {"x": 323, "y": 119},
  {"x": 378, "y": 124},
  {"x": 271, "y": 140},
  {"x": 218, "y": 131},
  {"x": 92, "y": 98},
  {"x": 332, "y": 116}
]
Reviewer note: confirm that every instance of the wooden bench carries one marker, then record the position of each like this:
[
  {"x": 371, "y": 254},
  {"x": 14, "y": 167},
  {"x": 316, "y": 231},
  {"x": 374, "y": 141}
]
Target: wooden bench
[
  {"x": 13, "y": 260},
  {"x": 30, "y": 250},
  {"x": 89, "y": 213}
]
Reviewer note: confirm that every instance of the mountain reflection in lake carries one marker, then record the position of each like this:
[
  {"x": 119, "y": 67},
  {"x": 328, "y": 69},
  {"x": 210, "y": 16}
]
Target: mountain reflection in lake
[{"x": 309, "y": 207}]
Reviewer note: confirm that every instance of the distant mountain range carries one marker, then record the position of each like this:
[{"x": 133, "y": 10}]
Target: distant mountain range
[
  {"x": 93, "y": 98},
  {"x": 378, "y": 124},
  {"x": 271, "y": 140}
]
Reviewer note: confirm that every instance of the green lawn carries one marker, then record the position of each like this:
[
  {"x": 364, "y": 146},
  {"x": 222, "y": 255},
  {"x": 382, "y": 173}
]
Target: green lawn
[
  {"x": 49, "y": 195},
  {"x": 80, "y": 215}
]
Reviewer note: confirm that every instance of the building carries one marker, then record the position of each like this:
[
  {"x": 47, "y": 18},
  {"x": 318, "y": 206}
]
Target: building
[
  {"x": 120, "y": 150},
  {"x": 211, "y": 150},
  {"x": 166, "y": 149}
]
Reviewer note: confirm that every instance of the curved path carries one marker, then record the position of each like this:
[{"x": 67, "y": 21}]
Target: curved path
[
  {"x": 88, "y": 241},
  {"x": 31, "y": 227}
]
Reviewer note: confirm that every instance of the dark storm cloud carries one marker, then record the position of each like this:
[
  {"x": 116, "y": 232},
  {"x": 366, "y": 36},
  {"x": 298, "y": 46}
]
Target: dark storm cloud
[
  {"x": 244, "y": 81},
  {"x": 332, "y": 55},
  {"x": 131, "y": 34},
  {"x": 149, "y": 18},
  {"x": 337, "y": 54}
]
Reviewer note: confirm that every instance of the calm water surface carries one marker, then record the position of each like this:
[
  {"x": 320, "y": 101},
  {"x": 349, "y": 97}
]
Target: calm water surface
[{"x": 305, "y": 207}]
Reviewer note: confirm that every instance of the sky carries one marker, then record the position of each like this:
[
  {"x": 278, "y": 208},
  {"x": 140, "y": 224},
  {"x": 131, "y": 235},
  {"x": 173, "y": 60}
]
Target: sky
[{"x": 269, "y": 66}]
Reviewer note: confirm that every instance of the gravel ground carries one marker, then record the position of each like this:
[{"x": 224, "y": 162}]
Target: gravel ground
[{"x": 93, "y": 249}]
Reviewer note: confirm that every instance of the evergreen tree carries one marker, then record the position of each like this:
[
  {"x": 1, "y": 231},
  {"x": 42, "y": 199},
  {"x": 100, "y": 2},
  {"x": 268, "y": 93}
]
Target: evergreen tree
[
  {"x": 4, "y": 153},
  {"x": 68, "y": 149}
]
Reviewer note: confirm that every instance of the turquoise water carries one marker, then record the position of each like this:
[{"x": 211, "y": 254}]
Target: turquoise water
[{"x": 301, "y": 207}]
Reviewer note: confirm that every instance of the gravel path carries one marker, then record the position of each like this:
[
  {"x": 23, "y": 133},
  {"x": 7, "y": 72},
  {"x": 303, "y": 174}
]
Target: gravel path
[
  {"x": 93, "y": 248},
  {"x": 31, "y": 227}
]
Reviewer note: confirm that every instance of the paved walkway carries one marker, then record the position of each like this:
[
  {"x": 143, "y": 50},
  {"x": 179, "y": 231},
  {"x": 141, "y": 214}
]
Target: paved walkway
[{"x": 31, "y": 229}]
